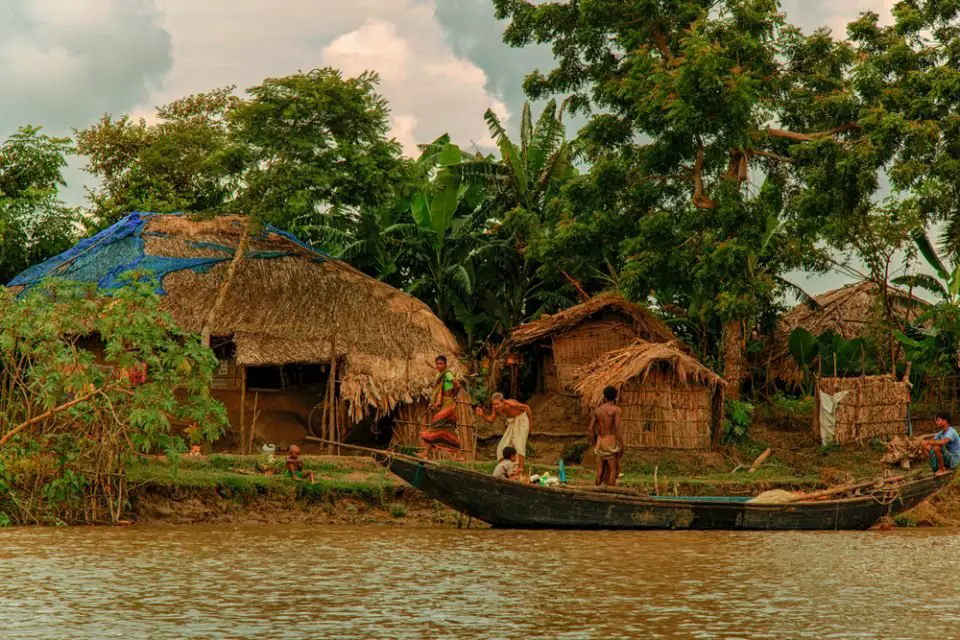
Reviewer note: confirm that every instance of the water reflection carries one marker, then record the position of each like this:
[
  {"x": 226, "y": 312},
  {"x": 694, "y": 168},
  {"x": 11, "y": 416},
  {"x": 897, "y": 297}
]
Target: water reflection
[{"x": 260, "y": 582}]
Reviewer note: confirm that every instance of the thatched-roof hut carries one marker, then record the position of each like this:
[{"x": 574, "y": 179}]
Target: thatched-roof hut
[
  {"x": 566, "y": 341},
  {"x": 289, "y": 315},
  {"x": 669, "y": 399},
  {"x": 869, "y": 407},
  {"x": 847, "y": 312}
]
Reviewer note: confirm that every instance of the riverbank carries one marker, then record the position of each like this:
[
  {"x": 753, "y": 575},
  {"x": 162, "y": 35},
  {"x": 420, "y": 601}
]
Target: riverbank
[{"x": 220, "y": 489}]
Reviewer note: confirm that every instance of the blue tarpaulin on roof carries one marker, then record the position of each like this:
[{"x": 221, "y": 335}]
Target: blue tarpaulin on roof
[{"x": 105, "y": 257}]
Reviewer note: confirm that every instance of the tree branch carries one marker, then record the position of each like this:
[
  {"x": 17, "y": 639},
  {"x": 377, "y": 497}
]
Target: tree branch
[
  {"x": 700, "y": 200},
  {"x": 661, "y": 42},
  {"x": 49, "y": 414},
  {"x": 808, "y": 137},
  {"x": 772, "y": 156}
]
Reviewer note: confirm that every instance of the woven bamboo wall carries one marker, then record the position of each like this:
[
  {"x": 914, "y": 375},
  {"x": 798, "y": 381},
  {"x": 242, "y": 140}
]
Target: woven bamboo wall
[
  {"x": 667, "y": 416},
  {"x": 876, "y": 407},
  {"x": 585, "y": 343},
  {"x": 411, "y": 418}
]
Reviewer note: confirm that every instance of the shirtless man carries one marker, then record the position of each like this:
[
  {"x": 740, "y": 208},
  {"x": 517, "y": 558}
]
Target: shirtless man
[
  {"x": 519, "y": 420},
  {"x": 606, "y": 438}
]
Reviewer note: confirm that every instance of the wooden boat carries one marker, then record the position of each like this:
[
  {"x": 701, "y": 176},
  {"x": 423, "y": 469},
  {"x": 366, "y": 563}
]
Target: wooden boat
[{"x": 510, "y": 504}]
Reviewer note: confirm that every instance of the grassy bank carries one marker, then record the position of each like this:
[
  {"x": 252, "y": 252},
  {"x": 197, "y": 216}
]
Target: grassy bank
[{"x": 355, "y": 490}]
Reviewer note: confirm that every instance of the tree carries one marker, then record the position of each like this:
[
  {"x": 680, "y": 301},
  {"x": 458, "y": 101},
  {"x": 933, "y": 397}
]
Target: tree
[
  {"x": 70, "y": 429},
  {"x": 170, "y": 166},
  {"x": 311, "y": 142},
  {"x": 297, "y": 148},
  {"x": 711, "y": 118},
  {"x": 34, "y": 222},
  {"x": 523, "y": 183}
]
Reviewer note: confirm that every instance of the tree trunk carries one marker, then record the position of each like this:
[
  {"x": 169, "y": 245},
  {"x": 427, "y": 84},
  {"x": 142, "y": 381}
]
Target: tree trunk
[{"x": 734, "y": 358}]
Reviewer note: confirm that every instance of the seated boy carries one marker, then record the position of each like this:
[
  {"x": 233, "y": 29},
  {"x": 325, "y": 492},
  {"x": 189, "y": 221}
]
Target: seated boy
[
  {"x": 507, "y": 468},
  {"x": 295, "y": 466},
  {"x": 944, "y": 448}
]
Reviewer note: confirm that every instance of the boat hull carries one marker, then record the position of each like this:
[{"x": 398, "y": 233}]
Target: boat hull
[{"x": 509, "y": 504}]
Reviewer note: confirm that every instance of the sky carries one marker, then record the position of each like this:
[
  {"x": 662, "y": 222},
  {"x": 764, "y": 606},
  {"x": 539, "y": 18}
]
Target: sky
[{"x": 64, "y": 63}]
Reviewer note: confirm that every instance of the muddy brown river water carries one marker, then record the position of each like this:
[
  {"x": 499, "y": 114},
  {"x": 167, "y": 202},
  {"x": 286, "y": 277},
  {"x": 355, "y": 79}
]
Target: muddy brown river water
[{"x": 405, "y": 583}]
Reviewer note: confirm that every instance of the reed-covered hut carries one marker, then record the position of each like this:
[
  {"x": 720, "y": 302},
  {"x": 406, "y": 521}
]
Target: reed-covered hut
[
  {"x": 564, "y": 342},
  {"x": 861, "y": 408},
  {"x": 849, "y": 312},
  {"x": 669, "y": 399},
  {"x": 306, "y": 343}
]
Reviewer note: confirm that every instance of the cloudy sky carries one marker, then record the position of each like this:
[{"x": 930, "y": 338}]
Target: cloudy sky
[{"x": 64, "y": 63}]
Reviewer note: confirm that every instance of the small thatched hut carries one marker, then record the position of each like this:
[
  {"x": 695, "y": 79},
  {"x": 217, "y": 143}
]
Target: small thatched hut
[
  {"x": 847, "y": 312},
  {"x": 869, "y": 407},
  {"x": 566, "y": 341},
  {"x": 669, "y": 399},
  {"x": 282, "y": 317}
]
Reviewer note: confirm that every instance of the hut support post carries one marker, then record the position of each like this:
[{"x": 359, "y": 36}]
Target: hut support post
[
  {"x": 222, "y": 294},
  {"x": 243, "y": 406}
]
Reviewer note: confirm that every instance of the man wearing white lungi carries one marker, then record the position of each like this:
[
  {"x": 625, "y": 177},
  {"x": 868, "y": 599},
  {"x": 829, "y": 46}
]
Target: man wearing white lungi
[{"x": 519, "y": 420}]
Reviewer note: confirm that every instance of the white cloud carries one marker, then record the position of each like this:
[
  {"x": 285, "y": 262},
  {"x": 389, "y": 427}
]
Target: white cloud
[{"x": 431, "y": 91}]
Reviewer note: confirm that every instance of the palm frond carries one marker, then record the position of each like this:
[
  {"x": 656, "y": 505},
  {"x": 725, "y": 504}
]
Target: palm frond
[
  {"x": 547, "y": 137},
  {"x": 804, "y": 297},
  {"x": 460, "y": 276},
  {"x": 497, "y": 132},
  {"x": 526, "y": 131},
  {"x": 922, "y": 281},
  {"x": 929, "y": 253}
]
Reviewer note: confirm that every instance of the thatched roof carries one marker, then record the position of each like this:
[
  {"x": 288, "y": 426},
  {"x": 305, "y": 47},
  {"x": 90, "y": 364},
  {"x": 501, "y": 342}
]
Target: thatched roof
[
  {"x": 847, "y": 312},
  {"x": 643, "y": 361},
  {"x": 647, "y": 325},
  {"x": 287, "y": 303}
]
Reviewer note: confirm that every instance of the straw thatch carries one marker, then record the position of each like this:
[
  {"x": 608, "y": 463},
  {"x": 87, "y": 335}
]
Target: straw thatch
[
  {"x": 289, "y": 304},
  {"x": 581, "y": 334},
  {"x": 875, "y": 407},
  {"x": 669, "y": 399},
  {"x": 848, "y": 312},
  {"x": 644, "y": 323}
]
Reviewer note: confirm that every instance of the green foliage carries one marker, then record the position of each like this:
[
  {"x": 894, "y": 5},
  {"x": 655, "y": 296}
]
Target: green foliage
[
  {"x": 34, "y": 223},
  {"x": 782, "y": 412},
  {"x": 738, "y": 416},
  {"x": 71, "y": 425},
  {"x": 573, "y": 452},
  {"x": 397, "y": 510},
  {"x": 297, "y": 147}
]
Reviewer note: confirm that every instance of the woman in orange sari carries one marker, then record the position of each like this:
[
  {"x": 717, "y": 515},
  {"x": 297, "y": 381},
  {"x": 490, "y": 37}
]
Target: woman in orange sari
[{"x": 442, "y": 432}]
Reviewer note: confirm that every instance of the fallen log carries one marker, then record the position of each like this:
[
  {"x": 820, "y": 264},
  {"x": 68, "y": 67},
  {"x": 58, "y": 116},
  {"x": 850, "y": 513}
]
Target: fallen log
[{"x": 759, "y": 461}]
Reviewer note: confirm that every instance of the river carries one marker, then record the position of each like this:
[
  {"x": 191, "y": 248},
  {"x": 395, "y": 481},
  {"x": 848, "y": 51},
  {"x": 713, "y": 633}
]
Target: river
[{"x": 405, "y": 583}]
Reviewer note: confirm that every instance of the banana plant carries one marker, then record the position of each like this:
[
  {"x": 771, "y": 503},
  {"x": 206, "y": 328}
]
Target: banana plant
[{"x": 449, "y": 213}]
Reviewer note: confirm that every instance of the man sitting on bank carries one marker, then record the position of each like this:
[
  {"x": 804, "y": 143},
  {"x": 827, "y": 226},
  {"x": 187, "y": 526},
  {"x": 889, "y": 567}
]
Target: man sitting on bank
[{"x": 943, "y": 448}]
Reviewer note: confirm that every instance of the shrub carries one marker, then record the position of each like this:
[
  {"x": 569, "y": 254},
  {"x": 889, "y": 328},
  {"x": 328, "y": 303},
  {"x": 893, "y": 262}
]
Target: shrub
[{"x": 737, "y": 420}]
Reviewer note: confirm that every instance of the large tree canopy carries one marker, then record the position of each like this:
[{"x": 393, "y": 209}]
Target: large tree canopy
[
  {"x": 297, "y": 147},
  {"x": 725, "y": 144}
]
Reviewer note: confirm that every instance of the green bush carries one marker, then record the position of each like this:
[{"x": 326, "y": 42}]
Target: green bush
[
  {"x": 782, "y": 412},
  {"x": 738, "y": 417}
]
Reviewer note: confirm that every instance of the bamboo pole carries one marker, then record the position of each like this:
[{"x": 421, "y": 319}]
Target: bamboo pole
[
  {"x": 841, "y": 490},
  {"x": 253, "y": 422},
  {"x": 332, "y": 386},
  {"x": 222, "y": 294},
  {"x": 243, "y": 405}
]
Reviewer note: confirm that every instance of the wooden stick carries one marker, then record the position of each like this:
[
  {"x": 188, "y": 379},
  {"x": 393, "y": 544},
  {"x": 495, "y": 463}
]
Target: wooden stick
[
  {"x": 759, "y": 461},
  {"x": 243, "y": 406},
  {"x": 49, "y": 414},
  {"x": 253, "y": 423},
  {"x": 222, "y": 294},
  {"x": 656, "y": 489},
  {"x": 844, "y": 489}
]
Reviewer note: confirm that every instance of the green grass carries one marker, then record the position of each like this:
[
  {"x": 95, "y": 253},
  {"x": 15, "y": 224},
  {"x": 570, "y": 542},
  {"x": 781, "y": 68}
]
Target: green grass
[{"x": 221, "y": 473}]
